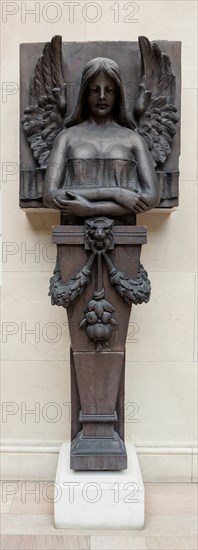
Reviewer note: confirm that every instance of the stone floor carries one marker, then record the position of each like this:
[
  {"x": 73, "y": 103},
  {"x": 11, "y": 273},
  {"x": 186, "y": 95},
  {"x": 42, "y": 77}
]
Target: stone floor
[{"x": 27, "y": 521}]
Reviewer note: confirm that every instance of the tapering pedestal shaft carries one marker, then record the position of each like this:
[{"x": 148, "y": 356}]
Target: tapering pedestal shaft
[{"x": 98, "y": 317}]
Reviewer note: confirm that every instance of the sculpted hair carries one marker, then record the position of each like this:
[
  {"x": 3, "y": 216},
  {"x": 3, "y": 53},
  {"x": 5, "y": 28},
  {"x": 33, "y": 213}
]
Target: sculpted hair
[{"x": 91, "y": 70}]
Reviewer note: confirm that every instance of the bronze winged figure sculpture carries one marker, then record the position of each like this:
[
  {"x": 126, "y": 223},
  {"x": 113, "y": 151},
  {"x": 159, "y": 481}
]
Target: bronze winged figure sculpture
[
  {"x": 113, "y": 170},
  {"x": 102, "y": 165}
]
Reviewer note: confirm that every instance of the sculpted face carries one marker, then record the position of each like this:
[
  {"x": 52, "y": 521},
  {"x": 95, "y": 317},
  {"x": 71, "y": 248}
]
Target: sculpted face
[{"x": 101, "y": 96}]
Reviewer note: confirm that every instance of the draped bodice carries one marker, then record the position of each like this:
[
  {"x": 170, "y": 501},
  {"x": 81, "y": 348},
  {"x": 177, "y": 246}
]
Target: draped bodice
[{"x": 101, "y": 172}]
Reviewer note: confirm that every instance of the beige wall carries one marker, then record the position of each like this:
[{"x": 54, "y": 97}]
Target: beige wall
[{"x": 161, "y": 372}]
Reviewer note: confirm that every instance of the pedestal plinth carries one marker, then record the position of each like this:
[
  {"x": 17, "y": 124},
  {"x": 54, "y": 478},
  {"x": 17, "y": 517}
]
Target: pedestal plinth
[
  {"x": 98, "y": 276},
  {"x": 98, "y": 500}
]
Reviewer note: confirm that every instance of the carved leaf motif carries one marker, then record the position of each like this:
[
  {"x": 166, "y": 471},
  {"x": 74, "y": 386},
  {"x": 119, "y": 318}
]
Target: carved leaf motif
[
  {"x": 135, "y": 292},
  {"x": 154, "y": 110},
  {"x": 99, "y": 308},
  {"x": 63, "y": 294},
  {"x": 44, "y": 118},
  {"x": 107, "y": 306}
]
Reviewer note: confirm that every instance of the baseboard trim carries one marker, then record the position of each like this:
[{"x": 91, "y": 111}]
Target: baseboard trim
[{"x": 39, "y": 462}]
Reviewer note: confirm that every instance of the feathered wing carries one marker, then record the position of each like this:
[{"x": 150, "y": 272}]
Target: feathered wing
[
  {"x": 155, "y": 111},
  {"x": 44, "y": 118}
]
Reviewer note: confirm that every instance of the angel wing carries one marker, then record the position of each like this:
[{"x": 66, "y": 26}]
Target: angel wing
[
  {"x": 44, "y": 118},
  {"x": 155, "y": 111}
]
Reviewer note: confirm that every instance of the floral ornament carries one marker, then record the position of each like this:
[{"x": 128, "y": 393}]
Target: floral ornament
[
  {"x": 132, "y": 291},
  {"x": 98, "y": 320},
  {"x": 64, "y": 294}
]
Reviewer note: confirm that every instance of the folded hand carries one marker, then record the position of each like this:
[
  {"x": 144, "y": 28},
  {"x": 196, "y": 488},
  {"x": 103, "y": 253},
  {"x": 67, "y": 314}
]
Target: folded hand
[{"x": 74, "y": 204}]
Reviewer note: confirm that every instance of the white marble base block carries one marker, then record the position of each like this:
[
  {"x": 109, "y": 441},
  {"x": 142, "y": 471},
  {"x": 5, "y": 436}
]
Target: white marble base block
[{"x": 98, "y": 500}]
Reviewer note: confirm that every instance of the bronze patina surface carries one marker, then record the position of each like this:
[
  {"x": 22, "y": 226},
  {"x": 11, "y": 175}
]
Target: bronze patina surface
[{"x": 100, "y": 163}]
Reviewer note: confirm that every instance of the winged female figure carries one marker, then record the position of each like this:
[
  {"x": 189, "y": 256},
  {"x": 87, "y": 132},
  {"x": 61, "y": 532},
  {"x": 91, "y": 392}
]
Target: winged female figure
[{"x": 101, "y": 160}]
